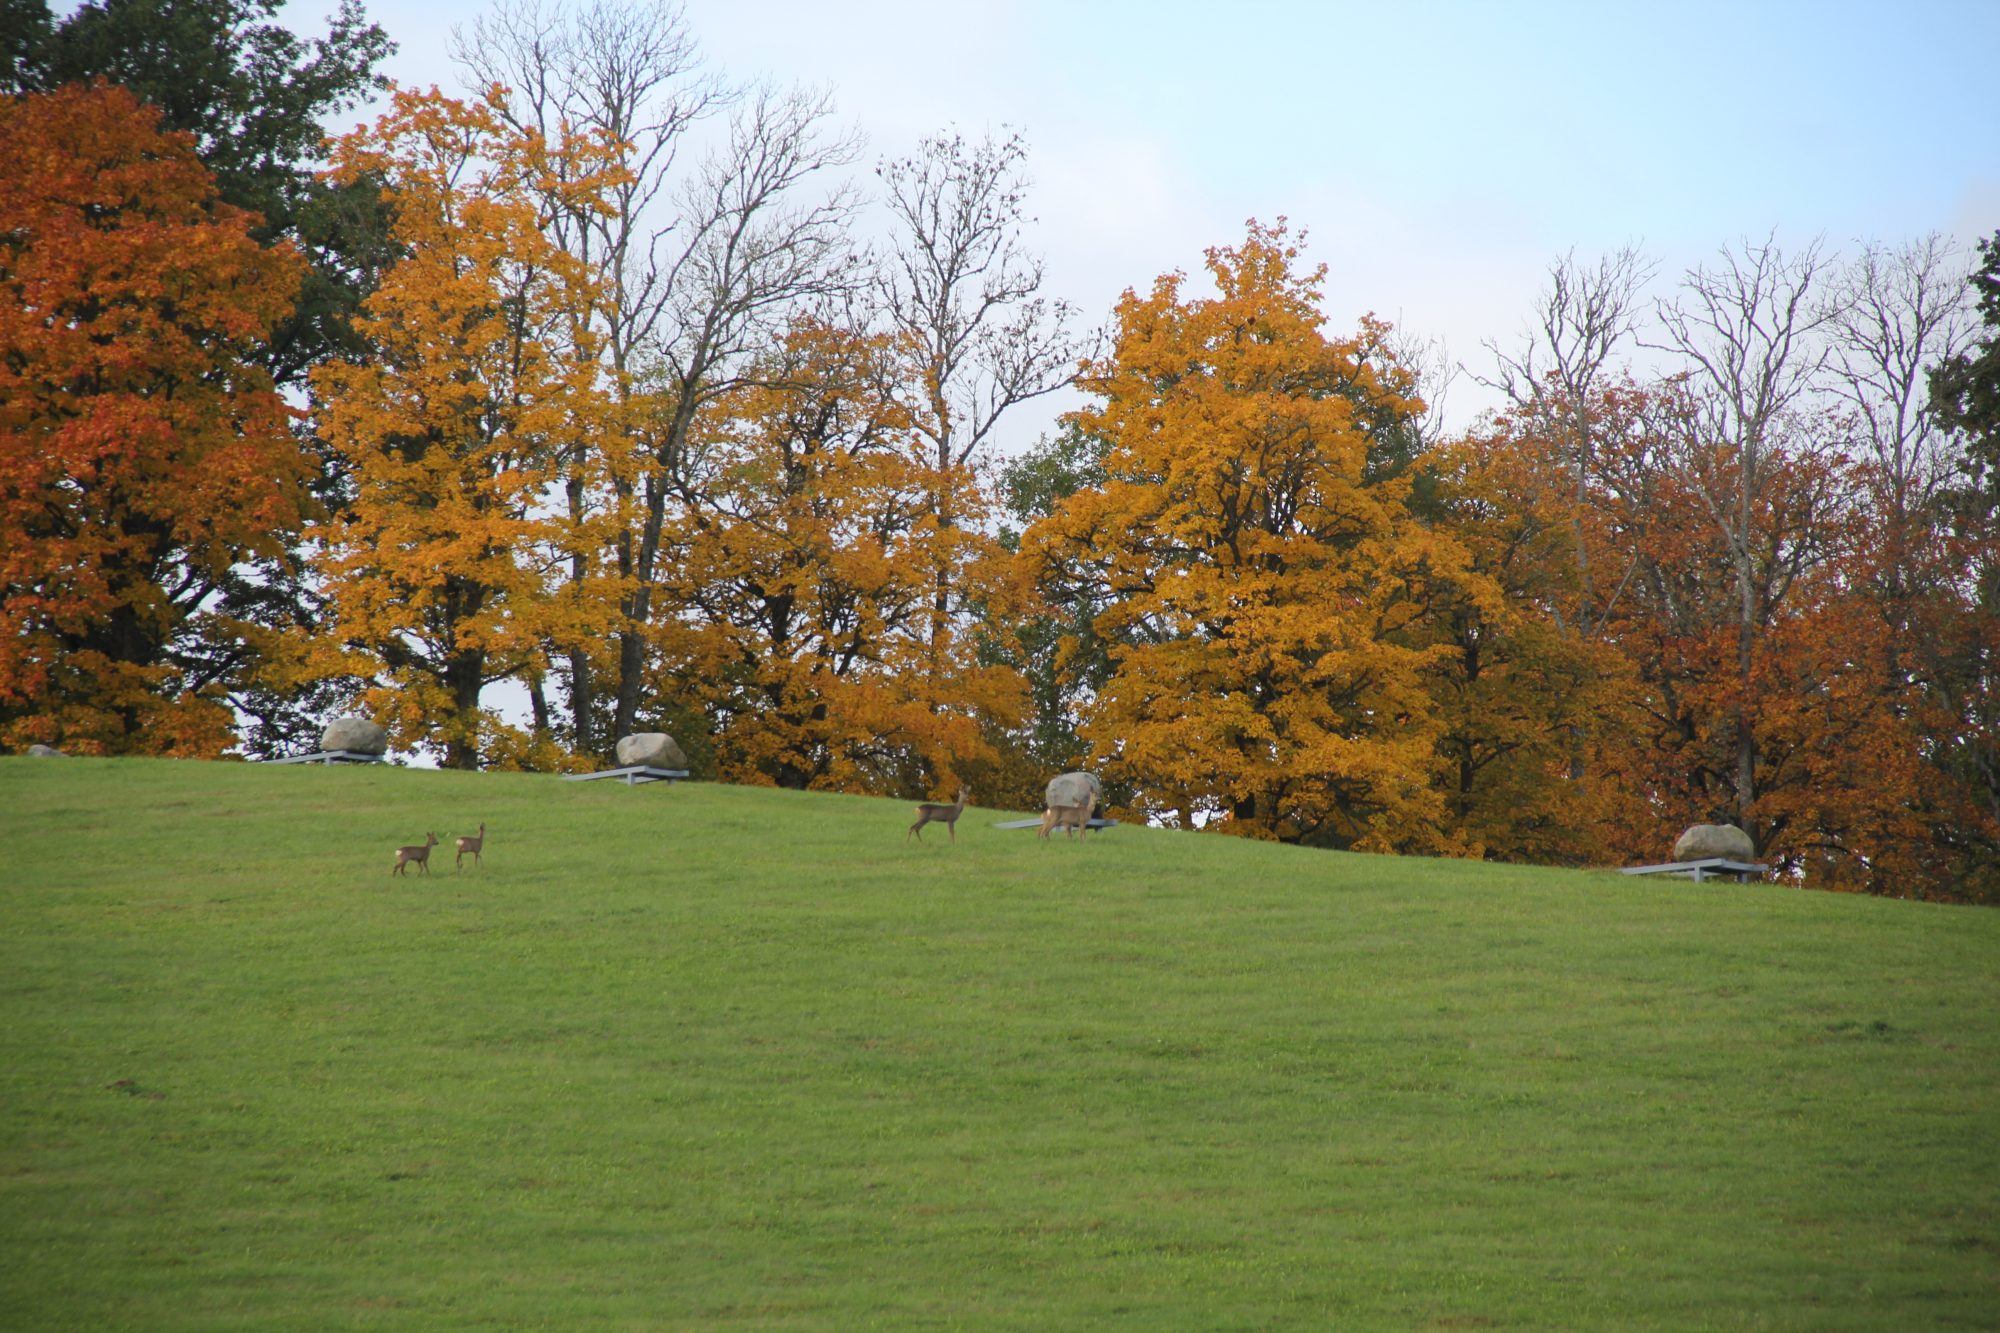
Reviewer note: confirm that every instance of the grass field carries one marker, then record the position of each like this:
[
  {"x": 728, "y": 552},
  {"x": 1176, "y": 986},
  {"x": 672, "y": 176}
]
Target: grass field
[{"x": 713, "y": 1056}]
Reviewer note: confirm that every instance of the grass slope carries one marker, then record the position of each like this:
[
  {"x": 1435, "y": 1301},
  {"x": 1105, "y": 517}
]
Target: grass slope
[{"x": 707, "y": 1055}]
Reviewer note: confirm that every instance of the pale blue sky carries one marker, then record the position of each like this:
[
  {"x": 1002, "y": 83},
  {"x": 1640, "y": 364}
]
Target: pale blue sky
[{"x": 1440, "y": 154}]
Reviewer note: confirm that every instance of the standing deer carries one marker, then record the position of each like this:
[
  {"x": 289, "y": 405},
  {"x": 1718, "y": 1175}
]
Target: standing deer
[
  {"x": 471, "y": 845},
  {"x": 421, "y": 855},
  {"x": 1074, "y": 819},
  {"x": 942, "y": 814}
]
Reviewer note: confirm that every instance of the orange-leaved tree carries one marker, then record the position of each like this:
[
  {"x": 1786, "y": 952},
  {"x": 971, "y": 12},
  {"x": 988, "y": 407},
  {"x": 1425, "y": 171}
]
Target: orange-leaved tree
[
  {"x": 143, "y": 453},
  {"x": 482, "y": 380},
  {"x": 1835, "y": 766},
  {"x": 806, "y": 559},
  {"x": 1528, "y": 691},
  {"x": 1263, "y": 584}
]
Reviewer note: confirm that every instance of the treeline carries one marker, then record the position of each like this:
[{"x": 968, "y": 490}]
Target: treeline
[
  {"x": 585, "y": 384},
  {"x": 1756, "y": 584}
]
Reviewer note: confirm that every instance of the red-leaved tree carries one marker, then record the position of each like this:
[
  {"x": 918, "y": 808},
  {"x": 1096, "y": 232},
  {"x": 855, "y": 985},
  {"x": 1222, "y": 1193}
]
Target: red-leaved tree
[{"x": 143, "y": 452}]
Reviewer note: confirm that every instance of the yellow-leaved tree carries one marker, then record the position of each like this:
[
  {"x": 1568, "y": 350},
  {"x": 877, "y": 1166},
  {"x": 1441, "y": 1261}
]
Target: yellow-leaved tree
[
  {"x": 482, "y": 380},
  {"x": 1263, "y": 583},
  {"x": 806, "y": 560}
]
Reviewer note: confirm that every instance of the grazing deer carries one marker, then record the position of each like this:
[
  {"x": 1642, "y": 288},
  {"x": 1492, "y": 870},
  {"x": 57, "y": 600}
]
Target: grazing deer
[
  {"x": 942, "y": 814},
  {"x": 1075, "y": 820},
  {"x": 421, "y": 855},
  {"x": 471, "y": 845}
]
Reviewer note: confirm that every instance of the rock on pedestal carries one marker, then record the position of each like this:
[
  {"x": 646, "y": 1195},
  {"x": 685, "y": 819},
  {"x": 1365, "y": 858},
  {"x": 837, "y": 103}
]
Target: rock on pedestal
[
  {"x": 1706, "y": 842},
  {"x": 356, "y": 735},
  {"x": 651, "y": 749},
  {"x": 1068, "y": 790}
]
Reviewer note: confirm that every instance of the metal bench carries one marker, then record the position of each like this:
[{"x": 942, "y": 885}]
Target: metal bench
[
  {"x": 632, "y": 776},
  {"x": 1713, "y": 867},
  {"x": 1037, "y": 823},
  {"x": 331, "y": 757}
]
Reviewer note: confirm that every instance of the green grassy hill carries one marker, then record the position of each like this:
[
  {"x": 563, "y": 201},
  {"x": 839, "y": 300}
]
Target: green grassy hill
[{"x": 715, "y": 1056}]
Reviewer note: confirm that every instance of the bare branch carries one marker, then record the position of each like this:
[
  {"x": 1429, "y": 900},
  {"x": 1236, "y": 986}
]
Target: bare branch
[
  {"x": 1898, "y": 313},
  {"x": 629, "y": 70},
  {"x": 1432, "y": 372},
  {"x": 965, "y": 293},
  {"x": 1751, "y": 329},
  {"x": 1581, "y": 318}
]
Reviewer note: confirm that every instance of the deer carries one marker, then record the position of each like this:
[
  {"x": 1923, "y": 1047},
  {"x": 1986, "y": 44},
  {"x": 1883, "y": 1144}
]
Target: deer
[
  {"x": 471, "y": 845},
  {"x": 930, "y": 812},
  {"x": 421, "y": 855},
  {"x": 1074, "y": 819}
]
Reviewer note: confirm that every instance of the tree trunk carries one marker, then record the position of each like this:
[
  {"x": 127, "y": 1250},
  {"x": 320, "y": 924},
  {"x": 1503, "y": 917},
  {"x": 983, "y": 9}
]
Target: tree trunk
[
  {"x": 464, "y": 675},
  {"x": 1746, "y": 738},
  {"x": 582, "y": 684}
]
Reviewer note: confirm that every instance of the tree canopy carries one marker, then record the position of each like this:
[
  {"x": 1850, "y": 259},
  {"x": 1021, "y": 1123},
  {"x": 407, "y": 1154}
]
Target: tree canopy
[{"x": 144, "y": 451}]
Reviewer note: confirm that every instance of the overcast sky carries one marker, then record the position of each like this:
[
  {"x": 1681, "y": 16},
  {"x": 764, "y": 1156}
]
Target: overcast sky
[{"x": 1440, "y": 155}]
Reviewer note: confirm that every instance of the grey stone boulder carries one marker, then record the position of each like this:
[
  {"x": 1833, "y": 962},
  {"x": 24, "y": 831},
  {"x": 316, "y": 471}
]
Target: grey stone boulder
[
  {"x": 46, "y": 752},
  {"x": 356, "y": 735},
  {"x": 650, "y": 749},
  {"x": 1067, "y": 790},
  {"x": 1705, "y": 842}
]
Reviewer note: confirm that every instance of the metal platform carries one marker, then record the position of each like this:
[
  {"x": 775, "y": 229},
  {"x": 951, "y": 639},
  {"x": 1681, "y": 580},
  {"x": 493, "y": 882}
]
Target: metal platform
[
  {"x": 331, "y": 757},
  {"x": 1713, "y": 867},
  {"x": 631, "y": 776}
]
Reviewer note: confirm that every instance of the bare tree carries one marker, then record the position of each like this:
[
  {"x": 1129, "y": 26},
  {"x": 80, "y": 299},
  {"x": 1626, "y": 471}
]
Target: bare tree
[
  {"x": 1901, "y": 312},
  {"x": 1582, "y": 317},
  {"x": 1898, "y": 313},
  {"x": 629, "y": 71},
  {"x": 960, "y": 287},
  {"x": 699, "y": 261},
  {"x": 964, "y": 298},
  {"x": 1906, "y": 311},
  {"x": 1431, "y": 371},
  {"x": 1751, "y": 333},
  {"x": 750, "y": 254}
]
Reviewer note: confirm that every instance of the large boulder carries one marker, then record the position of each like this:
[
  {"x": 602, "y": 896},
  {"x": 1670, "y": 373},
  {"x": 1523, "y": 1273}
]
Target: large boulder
[
  {"x": 356, "y": 735},
  {"x": 46, "y": 752},
  {"x": 650, "y": 749},
  {"x": 1073, "y": 789},
  {"x": 1705, "y": 842}
]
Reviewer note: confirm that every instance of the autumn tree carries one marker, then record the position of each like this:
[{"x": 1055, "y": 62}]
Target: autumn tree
[
  {"x": 1531, "y": 690},
  {"x": 481, "y": 379},
  {"x": 256, "y": 97},
  {"x": 1746, "y": 329},
  {"x": 803, "y": 567},
  {"x": 630, "y": 71},
  {"x": 144, "y": 453},
  {"x": 1768, "y": 502},
  {"x": 1054, "y": 645},
  {"x": 1261, "y": 587},
  {"x": 1963, "y": 633},
  {"x": 1835, "y": 772},
  {"x": 964, "y": 294}
]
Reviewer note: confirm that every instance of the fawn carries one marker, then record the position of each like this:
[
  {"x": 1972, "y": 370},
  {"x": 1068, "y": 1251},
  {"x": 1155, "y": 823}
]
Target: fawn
[
  {"x": 1075, "y": 820},
  {"x": 421, "y": 855},
  {"x": 943, "y": 814},
  {"x": 471, "y": 845}
]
